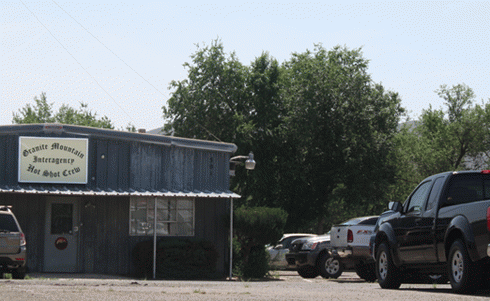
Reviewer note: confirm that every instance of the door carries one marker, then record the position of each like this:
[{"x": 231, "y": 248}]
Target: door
[
  {"x": 61, "y": 235},
  {"x": 415, "y": 227}
]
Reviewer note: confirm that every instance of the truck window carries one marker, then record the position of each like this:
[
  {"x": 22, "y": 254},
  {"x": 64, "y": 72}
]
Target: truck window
[
  {"x": 434, "y": 194},
  {"x": 464, "y": 189},
  {"x": 418, "y": 198}
]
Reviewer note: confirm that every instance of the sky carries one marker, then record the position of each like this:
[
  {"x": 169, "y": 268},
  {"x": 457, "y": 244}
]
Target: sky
[{"x": 119, "y": 57}]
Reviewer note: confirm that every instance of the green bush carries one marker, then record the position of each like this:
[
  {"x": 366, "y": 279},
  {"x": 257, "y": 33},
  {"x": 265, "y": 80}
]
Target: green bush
[
  {"x": 254, "y": 227},
  {"x": 176, "y": 259}
]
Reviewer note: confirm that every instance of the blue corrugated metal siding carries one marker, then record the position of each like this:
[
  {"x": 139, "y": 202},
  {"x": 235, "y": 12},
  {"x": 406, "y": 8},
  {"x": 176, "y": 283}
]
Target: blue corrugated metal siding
[
  {"x": 146, "y": 166},
  {"x": 121, "y": 164}
]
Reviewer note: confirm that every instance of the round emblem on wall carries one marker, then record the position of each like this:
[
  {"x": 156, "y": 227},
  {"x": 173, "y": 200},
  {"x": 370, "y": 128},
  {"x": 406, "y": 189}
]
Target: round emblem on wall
[{"x": 61, "y": 243}]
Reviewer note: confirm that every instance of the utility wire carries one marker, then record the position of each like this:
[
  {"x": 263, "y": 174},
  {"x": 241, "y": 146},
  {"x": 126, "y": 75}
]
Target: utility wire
[
  {"x": 76, "y": 60},
  {"x": 108, "y": 48},
  {"x": 121, "y": 61}
]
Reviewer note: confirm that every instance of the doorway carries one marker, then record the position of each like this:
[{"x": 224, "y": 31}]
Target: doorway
[{"x": 61, "y": 234}]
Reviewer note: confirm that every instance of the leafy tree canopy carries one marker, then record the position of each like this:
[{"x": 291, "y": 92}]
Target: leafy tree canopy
[
  {"x": 42, "y": 112},
  {"x": 452, "y": 138},
  {"x": 321, "y": 130}
]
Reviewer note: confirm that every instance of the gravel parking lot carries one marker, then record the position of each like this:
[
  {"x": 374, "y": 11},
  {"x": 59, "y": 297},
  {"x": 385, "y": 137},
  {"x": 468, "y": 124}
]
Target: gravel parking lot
[{"x": 285, "y": 285}]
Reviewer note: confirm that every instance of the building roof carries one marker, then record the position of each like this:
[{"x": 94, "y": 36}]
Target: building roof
[
  {"x": 53, "y": 128},
  {"x": 80, "y": 190}
]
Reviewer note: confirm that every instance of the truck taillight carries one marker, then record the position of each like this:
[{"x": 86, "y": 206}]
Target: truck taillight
[
  {"x": 350, "y": 236},
  {"x": 488, "y": 218}
]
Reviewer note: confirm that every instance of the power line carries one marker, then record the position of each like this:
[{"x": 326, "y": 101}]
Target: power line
[
  {"x": 108, "y": 48},
  {"x": 76, "y": 61}
]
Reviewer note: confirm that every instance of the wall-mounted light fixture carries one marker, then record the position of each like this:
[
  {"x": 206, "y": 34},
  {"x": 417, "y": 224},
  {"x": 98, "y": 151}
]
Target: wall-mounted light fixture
[{"x": 249, "y": 162}]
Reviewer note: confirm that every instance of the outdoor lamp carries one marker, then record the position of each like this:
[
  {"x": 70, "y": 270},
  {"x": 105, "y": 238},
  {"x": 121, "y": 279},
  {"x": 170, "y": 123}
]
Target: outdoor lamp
[{"x": 249, "y": 163}]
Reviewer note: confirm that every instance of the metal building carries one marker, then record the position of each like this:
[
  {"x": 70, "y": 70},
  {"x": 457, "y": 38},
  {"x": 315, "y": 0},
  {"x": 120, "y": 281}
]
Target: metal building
[{"x": 85, "y": 196}]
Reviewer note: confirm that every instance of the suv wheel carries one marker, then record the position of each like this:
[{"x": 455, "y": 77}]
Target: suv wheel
[
  {"x": 387, "y": 273},
  {"x": 330, "y": 267},
  {"x": 20, "y": 273}
]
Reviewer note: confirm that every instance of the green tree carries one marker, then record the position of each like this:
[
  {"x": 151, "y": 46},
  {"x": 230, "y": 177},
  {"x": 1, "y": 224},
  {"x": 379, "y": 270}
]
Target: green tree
[
  {"x": 223, "y": 100},
  {"x": 453, "y": 138},
  {"x": 344, "y": 124},
  {"x": 42, "y": 112},
  {"x": 320, "y": 129},
  {"x": 210, "y": 102}
]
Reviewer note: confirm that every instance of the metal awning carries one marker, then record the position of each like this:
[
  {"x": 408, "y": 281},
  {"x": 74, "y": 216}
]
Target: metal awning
[{"x": 77, "y": 191}]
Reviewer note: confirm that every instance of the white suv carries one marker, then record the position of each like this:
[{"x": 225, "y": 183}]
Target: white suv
[{"x": 13, "y": 256}]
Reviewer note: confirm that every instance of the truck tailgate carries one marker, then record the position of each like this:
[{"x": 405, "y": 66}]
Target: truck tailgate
[{"x": 360, "y": 234}]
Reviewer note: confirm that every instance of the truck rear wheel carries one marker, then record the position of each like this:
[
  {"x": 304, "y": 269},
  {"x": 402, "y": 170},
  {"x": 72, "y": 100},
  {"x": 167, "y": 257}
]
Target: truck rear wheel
[
  {"x": 462, "y": 271},
  {"x": 308, "y": 272},
  {"x": 387, "y": 273},
  {"x": 366, "y": 271}
]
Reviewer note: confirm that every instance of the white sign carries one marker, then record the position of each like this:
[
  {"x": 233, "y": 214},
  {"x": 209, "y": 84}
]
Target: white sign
[{"x": 53, "y": 160}]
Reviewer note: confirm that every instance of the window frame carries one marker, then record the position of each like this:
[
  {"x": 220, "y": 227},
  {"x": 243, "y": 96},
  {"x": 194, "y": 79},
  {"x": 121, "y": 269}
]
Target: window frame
[
  {"x": 409, "y": 204},
  {"x": 150, "y": 208}
]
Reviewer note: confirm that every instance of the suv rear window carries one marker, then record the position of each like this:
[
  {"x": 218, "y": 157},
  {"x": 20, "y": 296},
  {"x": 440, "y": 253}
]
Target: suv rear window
[{"x": 7, "y": 223}]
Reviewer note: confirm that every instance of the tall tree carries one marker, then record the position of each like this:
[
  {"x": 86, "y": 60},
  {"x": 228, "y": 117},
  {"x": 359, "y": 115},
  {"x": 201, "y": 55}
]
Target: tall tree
[
  {"x": 42, "y": 112},
  {"x": 209, "y": 104},
  {"x": 452, "y": 138},
  {"x": 223, "y": 100},
  {"x": 344, "y": 123},
  {"x": 319, "y": 127}
]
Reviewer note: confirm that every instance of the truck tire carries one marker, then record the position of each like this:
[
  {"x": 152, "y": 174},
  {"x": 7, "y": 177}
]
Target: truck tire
[
  {"x": 463, "y": 273},
  {"x": 308, "y": 272},
  {"x": 387, "y": 273},
  {"x": 366, "y": 271},
  {"x": 330, "y": 267}
]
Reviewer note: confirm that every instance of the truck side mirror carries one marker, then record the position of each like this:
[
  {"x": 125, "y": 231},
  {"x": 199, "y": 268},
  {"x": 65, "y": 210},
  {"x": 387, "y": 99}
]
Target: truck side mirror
[{"x": 395, "y": 206}]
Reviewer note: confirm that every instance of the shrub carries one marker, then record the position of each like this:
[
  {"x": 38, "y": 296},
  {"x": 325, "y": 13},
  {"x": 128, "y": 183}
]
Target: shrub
[
  {"x": 176, "y": 259},
  {"x": 254, "y": 227}
]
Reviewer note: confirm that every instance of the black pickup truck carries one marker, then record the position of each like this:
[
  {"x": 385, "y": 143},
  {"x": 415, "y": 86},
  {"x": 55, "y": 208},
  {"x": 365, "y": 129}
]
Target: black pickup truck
[{"x": 443, "y": 228}]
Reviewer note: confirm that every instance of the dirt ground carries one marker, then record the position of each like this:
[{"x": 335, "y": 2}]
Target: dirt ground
[{"x": 284, "y": 285}]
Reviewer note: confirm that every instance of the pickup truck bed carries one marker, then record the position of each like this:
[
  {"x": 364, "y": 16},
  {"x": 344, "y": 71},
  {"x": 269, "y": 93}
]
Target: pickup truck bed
[{"x": 350, "y": 244}]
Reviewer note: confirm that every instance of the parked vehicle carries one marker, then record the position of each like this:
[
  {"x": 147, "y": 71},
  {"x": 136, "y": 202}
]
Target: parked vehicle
[
  {"x": 443, "y": 228},
  {"x": 349, "y": 242},
  {"x": 310, "y": 258},
  {"x": 277, "y": 252},
  {"x": 13, "y": 255}
]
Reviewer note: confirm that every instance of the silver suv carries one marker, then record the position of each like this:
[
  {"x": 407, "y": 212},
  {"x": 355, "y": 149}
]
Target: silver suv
[{"x": 13, "y": 256}]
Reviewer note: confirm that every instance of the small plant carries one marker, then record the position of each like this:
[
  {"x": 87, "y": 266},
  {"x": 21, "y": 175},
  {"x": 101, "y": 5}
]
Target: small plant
[{"x": 199, "y": 292}]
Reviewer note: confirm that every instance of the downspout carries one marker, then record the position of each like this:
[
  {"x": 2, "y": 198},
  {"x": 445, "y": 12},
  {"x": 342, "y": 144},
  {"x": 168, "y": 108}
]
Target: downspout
[
  {"x": 231, "y": 238},
  {"x": 155, "y": 242}
]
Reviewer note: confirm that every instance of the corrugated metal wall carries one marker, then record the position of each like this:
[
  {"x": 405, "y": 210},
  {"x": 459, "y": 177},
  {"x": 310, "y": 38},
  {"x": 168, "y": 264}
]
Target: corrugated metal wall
[
  {"x": 104, "y": 243},
  {"x": 114, "y": 164},
  {"x": 123, "y": 165}
]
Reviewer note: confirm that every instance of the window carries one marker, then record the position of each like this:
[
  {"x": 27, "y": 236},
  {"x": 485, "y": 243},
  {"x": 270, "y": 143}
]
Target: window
[
  {"x": 419, "y": 197},
  {"x": 175, "y": 217},
  {"x": 434, "y": 194},
  {"x": 465, "y": 189}
]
